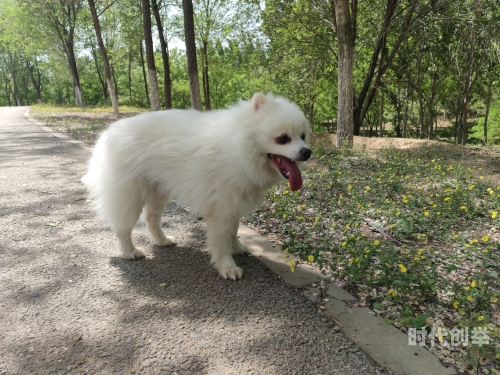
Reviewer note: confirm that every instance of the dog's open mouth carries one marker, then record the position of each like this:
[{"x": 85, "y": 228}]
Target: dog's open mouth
[{"x": 288, "y": 169}]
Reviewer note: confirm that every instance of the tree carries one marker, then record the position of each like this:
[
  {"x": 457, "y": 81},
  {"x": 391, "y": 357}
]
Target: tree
[
  {"x": 167, "y": 82},
  {"x": 59, "y": 18},
  {"x": 150, "y": 57},
  {"x": 194, "y": 84},
  {"x": 104, "y": 55},
  {"x": 345, "y": 63}
]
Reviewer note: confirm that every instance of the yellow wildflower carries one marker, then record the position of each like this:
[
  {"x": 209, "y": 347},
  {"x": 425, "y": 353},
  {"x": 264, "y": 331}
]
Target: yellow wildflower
[
  {"x": 469, "y": 298},
  {"x": 402, "y": 268},
  {"x": 485, "y": 238},
  {"x": 494, "y": 299},
  {"x": 310, "y": 258},
  {"x": 473, "y": 283},
  {"x": 376, "y": 242},
  {"x": 426, "y": 214},
  {"x": 456, "y": 304},
  {"x": 480, "y": 318},
  {"x": 494, "y": 214}
]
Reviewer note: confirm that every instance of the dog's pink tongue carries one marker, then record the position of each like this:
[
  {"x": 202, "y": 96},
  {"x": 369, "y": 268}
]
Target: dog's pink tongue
[{"x": 294, "y": 176}]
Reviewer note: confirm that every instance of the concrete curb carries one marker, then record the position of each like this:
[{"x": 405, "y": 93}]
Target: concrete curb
[{"x": 387, "y": 345}]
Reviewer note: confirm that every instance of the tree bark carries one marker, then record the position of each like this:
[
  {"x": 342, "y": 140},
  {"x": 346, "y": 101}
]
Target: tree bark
[
  {"x": 7, "y": 92},
  {"x": 486, "y": 115},
  {"x": 194, "y": 84},
  {"x": 36, "y": 81},
  {"x": 144, "y": 74},
  {"x": 26, "y": 90},
  {"x": 150, "y": 56},
  {"x": 15, "y": 93},
  {"x": 104, "y": 55},
  {"x": 345, "y": 68},
  {"x": 129, "y": 75},
  {"x": 381, "y": 114},
  {"x": 70, "y": 54},
  {"x": 167, "y": 82},
  {"x": 99, "y": 74},
  {"x": 206, "y": 82}
]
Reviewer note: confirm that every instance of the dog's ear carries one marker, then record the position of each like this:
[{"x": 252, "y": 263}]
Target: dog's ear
[{"x": 258, "y": 101}]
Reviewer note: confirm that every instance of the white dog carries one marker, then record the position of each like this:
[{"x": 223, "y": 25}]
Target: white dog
[{"x": 219, "y": 163}]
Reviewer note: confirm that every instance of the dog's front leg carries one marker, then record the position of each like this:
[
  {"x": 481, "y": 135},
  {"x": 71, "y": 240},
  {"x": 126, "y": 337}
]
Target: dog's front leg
[{"x": 220, "y": 239}]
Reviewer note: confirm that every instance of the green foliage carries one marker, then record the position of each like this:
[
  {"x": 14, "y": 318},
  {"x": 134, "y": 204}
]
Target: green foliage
[
  {"x": 411, "y": 234},
  {"x": 493, "y": 126}
]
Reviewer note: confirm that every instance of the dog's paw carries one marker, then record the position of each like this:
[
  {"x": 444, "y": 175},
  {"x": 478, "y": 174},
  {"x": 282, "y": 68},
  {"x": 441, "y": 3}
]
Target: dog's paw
[
  {"x": 233, "y": 273},
  {"x": 167, "y": 241},
  {"x": 228, "y": 269},
  {"x": 136, "y": 253}
]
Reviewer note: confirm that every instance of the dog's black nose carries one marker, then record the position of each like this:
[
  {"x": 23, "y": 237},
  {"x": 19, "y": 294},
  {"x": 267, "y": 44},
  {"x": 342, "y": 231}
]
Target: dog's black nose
[{"x": 305, "y": 154}]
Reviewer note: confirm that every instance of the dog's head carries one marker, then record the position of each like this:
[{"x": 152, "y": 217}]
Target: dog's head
[{"x": 286, "y": 136}]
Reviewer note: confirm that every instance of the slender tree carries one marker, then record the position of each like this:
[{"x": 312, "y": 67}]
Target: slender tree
[
  {"x": 345, "y": 62},
  {"x": 104, "y": 55},
  {"x": 194, "y": 84},
  {"x": 150, "y": 56},
  {"x": 167, "y": 82},
  {"x": 59, "y": 19}
]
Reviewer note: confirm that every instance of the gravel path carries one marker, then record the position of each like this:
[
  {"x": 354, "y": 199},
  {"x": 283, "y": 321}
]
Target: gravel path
[{"x": 70, "y": 305}]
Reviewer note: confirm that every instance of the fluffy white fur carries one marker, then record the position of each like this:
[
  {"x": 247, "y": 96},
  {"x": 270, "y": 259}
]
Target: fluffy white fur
[{"x": 215, "y": 162}]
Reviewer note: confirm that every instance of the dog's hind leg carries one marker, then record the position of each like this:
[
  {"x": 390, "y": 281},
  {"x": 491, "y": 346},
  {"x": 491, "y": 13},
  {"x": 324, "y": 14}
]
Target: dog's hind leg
[
  {"x": 125, "y": 219},
  {"x": 155, "y": 205},
  {"x": 221, "y": 233}
]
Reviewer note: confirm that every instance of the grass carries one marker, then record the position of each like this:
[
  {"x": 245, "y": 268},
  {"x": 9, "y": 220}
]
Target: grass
[
  {"x": 412, "y": 236},
  {"x": 83, "y": 123}
]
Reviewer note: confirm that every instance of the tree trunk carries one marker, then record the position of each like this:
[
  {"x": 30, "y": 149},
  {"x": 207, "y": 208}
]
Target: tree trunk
[
  {"x": 397, "y": 127},
  {"x": 345, "y": 67},
  {"x": 16, "y": 88},
  {"x": 167, "y": 82},
  {"x": 405, "y": 113},
  {"x": 206, "y": 82},
  {"x": 26, "y": 90},
  {"x": 113, "y": 75},
  {"x": 7, "y": 92},
  {"x": 99, "y": 74},
  {"x": 486, "y": 115},
  {"x": 104, "y": 55},
  {"x": 70, "y": 54},
  {"x": 129, "y": 75},
  {"x": 381, "y": 114},
  {"x": 36, "y": 82},
  {"x": 150, "y": 56},
  {"x": 194, "y": 84},
  {"x": 144, "y": 75}
]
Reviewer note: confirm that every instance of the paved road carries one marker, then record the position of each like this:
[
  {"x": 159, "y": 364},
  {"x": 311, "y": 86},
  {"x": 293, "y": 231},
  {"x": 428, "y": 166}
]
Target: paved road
[{"x": 70, "y": 305}]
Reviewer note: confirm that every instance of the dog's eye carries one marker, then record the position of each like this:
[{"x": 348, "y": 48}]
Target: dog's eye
[
  {"x": 283, "y": 140},
  {"x": 303, "y": 137}
]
